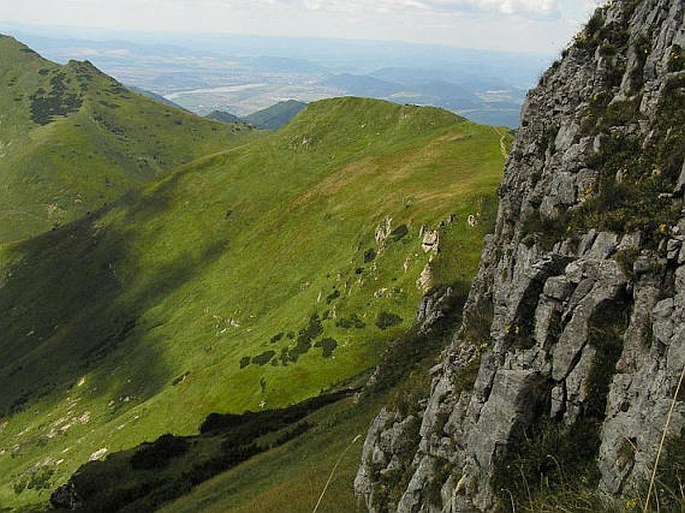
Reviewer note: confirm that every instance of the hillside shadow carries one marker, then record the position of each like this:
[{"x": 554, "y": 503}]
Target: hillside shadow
[{"x": 64, "y": 309}]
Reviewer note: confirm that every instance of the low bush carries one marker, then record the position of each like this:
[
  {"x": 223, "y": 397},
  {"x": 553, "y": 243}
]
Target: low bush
[
  {"x": 332, "y": 296},
  {"x": 387, "y": 320},
  {"x": 399, "y": 233},
  {"x": 369, "y": 255},
  {"x": 263, "y": 358},
  {"x": 159, "y": 453},
  {"x": 350, "y": 322},
  {"x": 328, "y": 345}
]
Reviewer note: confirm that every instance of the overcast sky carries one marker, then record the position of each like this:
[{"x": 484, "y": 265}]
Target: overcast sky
[{"x": 535, "y": 25}]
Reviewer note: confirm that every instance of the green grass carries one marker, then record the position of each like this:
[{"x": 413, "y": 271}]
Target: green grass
[
  {"x": 279, "y": 475},
  {"x": 293, "y": 476},
  {"x": 143, "y": 478},
  {"x": 276, "y": 116},
  {"x": 133, "y": 322},
  {"x": 73, "y": 139}
]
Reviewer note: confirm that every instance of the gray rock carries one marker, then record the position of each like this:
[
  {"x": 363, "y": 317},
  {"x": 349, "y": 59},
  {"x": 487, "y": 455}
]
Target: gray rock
[
  {"x": 576, "y": 384},
  {"x": 430, "y": 241},
  {"x": 661, "y": 321},
  {"x": 546, "y": 304},
  {"x": 680, "y": 185},
  {"x": 374, "y": 450},
  {"x": 630, "y": 241},
  {"x": 673, "y": 249},
  {"x": 565, "y": 137},
  {"x": 507, "y": 407},
  {"x": 558, "y": 287},
  {"x": 432, "y": 308},
  {"x": 557, "y": 401},
  {"x": 604, "y": 245}
]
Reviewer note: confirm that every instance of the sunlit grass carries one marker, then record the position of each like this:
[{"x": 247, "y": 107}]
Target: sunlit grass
[
  {"x": 113, "y": 142},
  {"x": 140, "y": 315}
]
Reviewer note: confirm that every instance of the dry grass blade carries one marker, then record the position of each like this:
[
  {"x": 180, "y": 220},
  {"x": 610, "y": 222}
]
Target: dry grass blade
[
  {"x": 662, "y": 442},
  {"x": 335, "y": 467}
]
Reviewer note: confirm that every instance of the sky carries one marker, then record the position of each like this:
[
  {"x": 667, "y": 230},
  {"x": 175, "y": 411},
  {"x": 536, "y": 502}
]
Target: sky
[{"x": 543, "y": 26}]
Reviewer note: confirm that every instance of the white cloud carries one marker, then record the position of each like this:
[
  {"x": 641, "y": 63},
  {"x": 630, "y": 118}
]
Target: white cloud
[
  {"x": 543, "y": 8},
  {"x": 330, "y": 5},
  {"x": 536, "y": 25},
  {"x": 540, "y": 9}
]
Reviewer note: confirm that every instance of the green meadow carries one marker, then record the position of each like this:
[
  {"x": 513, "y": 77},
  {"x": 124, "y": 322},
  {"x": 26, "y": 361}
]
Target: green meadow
[
  {"x": 249, "y": 279},
  {"x": 73, "y": 139}
]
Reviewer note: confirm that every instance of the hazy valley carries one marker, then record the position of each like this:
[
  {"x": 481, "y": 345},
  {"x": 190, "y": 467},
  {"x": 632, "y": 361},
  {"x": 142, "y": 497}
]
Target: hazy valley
[{"x": 245, "y": 74}]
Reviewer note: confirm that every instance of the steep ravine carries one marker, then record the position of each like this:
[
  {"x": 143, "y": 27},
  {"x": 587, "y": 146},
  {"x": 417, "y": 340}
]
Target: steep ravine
[{"x": 575, "y": 321}]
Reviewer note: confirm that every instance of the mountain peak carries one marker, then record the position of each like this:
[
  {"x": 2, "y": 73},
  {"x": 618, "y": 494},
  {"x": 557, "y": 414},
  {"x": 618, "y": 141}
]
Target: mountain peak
[
  {"x": 13, "y": 49},
  {"x": 86, "y": 111}
]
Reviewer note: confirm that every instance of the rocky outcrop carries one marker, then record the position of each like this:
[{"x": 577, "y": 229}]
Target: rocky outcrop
[{"x": 575, "y": 322}]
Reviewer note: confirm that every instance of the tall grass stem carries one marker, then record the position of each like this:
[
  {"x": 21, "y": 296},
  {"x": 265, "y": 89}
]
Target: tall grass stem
[
  {"x": 662, "y": 442},
  {"x": 335, "y": 467}
]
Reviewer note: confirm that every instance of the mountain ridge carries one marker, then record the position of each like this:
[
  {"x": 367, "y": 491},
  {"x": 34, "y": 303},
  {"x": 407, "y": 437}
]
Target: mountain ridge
[
  {"x": 160, "y": 322},
  {"x": 271, "y": 118},
  {"x": 75, "y": 139}
]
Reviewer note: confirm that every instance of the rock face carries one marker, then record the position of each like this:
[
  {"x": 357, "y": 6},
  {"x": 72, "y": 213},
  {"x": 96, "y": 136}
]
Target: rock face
[{"x": 576, "y": 319}]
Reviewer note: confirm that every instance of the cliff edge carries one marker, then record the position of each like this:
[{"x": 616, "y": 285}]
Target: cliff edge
[{"x": 566, "y": 370}]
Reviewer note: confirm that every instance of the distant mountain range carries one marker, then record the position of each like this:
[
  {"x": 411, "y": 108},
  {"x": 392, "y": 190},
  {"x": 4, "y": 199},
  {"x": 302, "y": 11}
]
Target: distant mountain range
[{"x": 245, "y": 74}]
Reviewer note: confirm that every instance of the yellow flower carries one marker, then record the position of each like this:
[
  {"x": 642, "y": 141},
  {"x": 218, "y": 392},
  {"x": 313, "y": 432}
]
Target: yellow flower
[{"x": 631, "y": 504}]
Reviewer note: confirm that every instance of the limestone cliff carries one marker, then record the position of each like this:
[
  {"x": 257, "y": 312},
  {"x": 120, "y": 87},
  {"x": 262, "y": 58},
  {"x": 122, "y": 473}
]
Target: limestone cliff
[{"x": 573, "y": 337}]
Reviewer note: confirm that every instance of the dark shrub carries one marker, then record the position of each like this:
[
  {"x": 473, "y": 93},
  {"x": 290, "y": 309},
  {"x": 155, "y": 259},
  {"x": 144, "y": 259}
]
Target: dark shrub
[
  {"x": 304, "y": 338},
  {"x": 313, "y": 329},
  {"x": 386, "y": 320},
  {"x": 264, "y": 358},
  {"x": 328, "y": 345},
  {"x": 332, "y": 296},
  {"x": 159, "y": 453},
  {"x": 400, "y": 232},
  {"x": 350, "y": 322},
  {"x": 369, "y": 255}
]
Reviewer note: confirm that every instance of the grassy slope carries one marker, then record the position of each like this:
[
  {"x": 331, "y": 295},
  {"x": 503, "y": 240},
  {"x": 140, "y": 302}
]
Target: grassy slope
[
  {"x": 73, "y": 139},
  {"x": 132, "y": 323},
  {"x": 224, "y": 117},
  {"x": 276, "y": 116},
  {"x": 319, "y": 467},
  {"x": 292, "y": 477}
]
